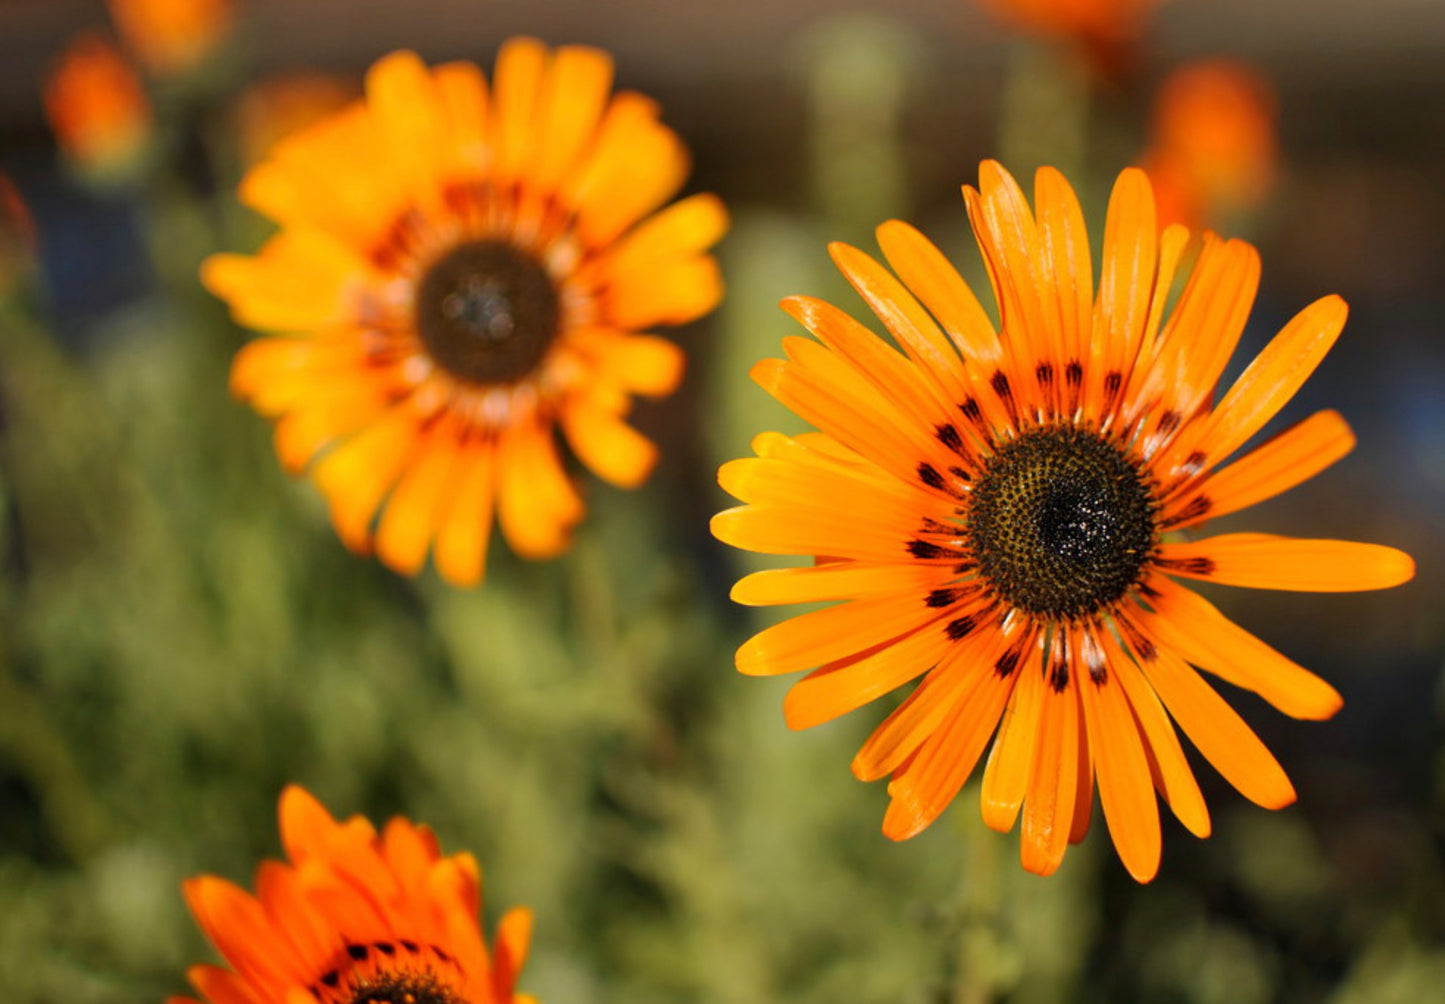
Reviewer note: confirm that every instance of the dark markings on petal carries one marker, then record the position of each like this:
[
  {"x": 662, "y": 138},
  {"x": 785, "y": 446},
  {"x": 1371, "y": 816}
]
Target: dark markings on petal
[
  {"x": 1045, "y": 375},
  {"x": 357, "y": 952},
  {"x": 1000, "y": 385},
  {"x": 929, "y": 475},
  {"x": 1189, "y": 566},
  {"x": 1168, "y": 422},
  {"x": 1099, "y": 672},
  {"x": 962, "y": 566},
  {"x": 922, "y": 549},
  {"x": 960, "y": 473},
  {"x": 1147, "y": 590},
  {"x": 385, "y": 948},
  {"x": 1073, "y": 373},
  {"x": 410, "y": 946},
  {"x": 971, "y": 410},
  {"x": 441, "y": 953},
  {"x": 1193, "y": 464},
  {"x": 944, "y": 597},
  {"x": 1197, "y": 507},
  {"x": 931, "y": 525},
  {"x": 949, "y": 437},
  {"x": 961, "y": 627},
  {"x": 1112, "y": 383},
  {"x": 1059, "y": 676},
  {"x": 1143, "y": 648},
  {"x": 1005, "y": 664},
  {"x": 332, "y": 978}
]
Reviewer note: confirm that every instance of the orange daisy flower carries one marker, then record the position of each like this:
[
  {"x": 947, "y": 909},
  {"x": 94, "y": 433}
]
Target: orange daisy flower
[
  {"x": 353, "y": 917},
  {"x": 999, "y": 512},
  {"x": 172, "y": 37},
  {"x": 1104, "y": 27},
  {"x": 1213, "y": 149},
  {"x": 459, "y": 272},
  {"x": 97, "y": 108}
]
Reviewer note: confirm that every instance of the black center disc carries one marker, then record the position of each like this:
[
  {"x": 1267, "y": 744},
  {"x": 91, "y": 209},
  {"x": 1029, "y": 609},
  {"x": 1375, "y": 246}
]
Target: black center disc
[
  {"x": 487, "y": 312},
  {"x": 403, "y": 988},
  {"x": 1061, "y": 522}
]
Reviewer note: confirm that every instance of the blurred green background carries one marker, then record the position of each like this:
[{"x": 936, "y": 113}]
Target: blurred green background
[{"x": 181, "y": 634}]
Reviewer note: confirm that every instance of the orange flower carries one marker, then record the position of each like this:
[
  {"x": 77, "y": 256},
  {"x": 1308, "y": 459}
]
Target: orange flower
[
  {"x": 1001, "y": 514},
  {"x": 459, "y": 273},
  {"x": 172, "y": 37},
  {"x": 1104, "y": 28},
  {"x": 97, "y": 108},
  {"x": 274, "y": 109},
  {"x": 353, "y": 916},
  {"x": 1213, "y": 150}
]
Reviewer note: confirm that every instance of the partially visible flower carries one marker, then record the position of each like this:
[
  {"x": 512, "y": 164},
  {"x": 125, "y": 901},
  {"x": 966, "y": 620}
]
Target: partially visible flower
[
  {"x": 999, "y": 515},
  {"x": 461, "y": 272},
  {"x": 1104, "y": 29},
  {"x": 273, "y": 109},
  {"x": 172, "y": 37},
  {"x": 352, "y": 916},
  {"x": 1213, "y": 152},
  {"x": 17, "y": 233},
  {"x": 97, "y": 108}
]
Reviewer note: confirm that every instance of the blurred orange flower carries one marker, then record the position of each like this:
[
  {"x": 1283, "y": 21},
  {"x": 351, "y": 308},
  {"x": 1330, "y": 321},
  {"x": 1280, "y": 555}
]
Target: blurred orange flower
[
  {"x": 462, "y": 272},
  {"x": 355, "y": 916},
  {"x": 1213, "y": 150},
  {"x": 172, "y": 37},
  {"x": 274, "y": 109},
  {"x": 1103, "y": 28},
  {"x": 97, "y": 108}
]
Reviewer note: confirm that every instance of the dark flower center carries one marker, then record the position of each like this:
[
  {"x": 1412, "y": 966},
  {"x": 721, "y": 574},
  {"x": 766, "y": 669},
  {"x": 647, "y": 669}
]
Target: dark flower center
[
  {"x": 1061, "y": 522},
  {"x": 404, "y": 987},
  {"x": 487, "y": 312}
]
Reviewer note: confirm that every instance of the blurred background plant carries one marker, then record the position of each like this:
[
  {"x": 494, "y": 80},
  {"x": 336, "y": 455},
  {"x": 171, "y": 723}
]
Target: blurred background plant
[{"x": 181, "y": 634}]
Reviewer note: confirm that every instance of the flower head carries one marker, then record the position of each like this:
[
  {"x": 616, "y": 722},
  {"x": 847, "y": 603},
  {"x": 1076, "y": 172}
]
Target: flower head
[
  {"x": 172, "y": 37},
  {"x": 460, "y": 271},
  {"x": 1103, "y": 28},
  {"x": 1212, "y": 151},
  {"x": 354, "y": 916},
  {"x": 1003, "y": 513},
  {"x": 97, "y": 108}
]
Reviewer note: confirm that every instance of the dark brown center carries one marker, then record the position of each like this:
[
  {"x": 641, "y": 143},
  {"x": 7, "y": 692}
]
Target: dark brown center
[
  {"x": 405, "y": 987},
  {"x": 1061, "y": 523},
  {"x": 487, "y": 312}
]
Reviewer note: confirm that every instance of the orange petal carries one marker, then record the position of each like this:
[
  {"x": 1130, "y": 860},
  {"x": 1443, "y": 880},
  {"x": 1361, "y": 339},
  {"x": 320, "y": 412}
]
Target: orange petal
[
  {"x": 570, "y": 105},
  {"x": 920, "y": 792},
  {"x": 1219, "y": 733},
  {"x": 1293, "y": 456},
  {"x": 537, "y": 504},
  {"x": 1053, "y": 782},
  {"x": 357, "y": 474},
  {"x": 514, "y": 936},
  {"x": 409, "y": 521},
  {"x": 1274, "y": 376},
  {"x": 843, "y": 581},
  {"x": 847, "y": 684},
  {"x": 465, "y": 525},
  {"x": 462, "y": 94},
  {"x": 222, "y": 986},
  {"x": 1186, "y": 622},
  {"x": 1126, "y": 287},
  {"x": 1065, "y": 260},
  {"x": 612, "y": 449},
  {"x": 521, "y": 64},
  {"x": 1006, "y": 776},
  {"x": 837, "y": 632},
  {"x": 641, "y": 364},
  {"x": 1125, "y": 787},
  {"x": 957, "y": 680},
  {"x": 1265, "y": 561},
  {"x": 682, "y": 230},
  {"x": 404, "y": 101},
  {"x": 674, "y": 291},
  {"x": 238, "y": 927},
  {"x": 1172, "y": 774},
  {"x": 943, "y": 291}
]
